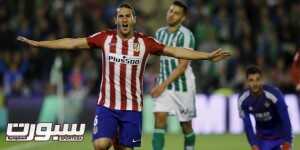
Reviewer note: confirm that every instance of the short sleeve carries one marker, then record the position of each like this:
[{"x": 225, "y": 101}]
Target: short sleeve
[
  {"x": 188, "y": 40},
  {"x": 154, "y": 46},
  {"x": 96, "y": 40}
]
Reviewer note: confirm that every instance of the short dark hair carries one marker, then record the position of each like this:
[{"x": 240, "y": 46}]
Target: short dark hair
[
  {"x": 253, "y": 70},
  {"x": 126, "y": 5},
  {"x": 181, "y": 4}
]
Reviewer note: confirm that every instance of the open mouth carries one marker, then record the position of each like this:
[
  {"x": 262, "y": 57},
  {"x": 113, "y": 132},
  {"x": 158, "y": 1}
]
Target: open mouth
[{"x": 124, "y": 25}]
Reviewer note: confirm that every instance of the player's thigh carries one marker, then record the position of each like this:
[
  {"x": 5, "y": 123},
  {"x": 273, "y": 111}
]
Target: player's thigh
[
  {"x": 277, "y": 148},
  {"x": 264, "y": 147},
  {"x": 160, "y": 119},
  {"x": 105, "y": 124},
  {"x": 102, "y": 143},
  {"x": 130, "y": 129},
  {"x": 185, "y": 100},
  {"x": 269, "y": 144},
  {"x": 164, "y": 102},
  {"x": 186, "y": 127},
  {"x": 185, "y": 109}
]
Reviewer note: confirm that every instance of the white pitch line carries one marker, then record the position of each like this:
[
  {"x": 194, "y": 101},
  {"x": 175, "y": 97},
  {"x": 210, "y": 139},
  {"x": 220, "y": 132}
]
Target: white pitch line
[{"x": 27, "y": 146}]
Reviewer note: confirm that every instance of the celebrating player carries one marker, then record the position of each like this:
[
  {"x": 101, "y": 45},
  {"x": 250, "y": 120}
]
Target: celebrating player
[
  {"x": 124, "y": 54},
  {"x": 175, "y": 93},
  {"x": 267, "y": 105}
]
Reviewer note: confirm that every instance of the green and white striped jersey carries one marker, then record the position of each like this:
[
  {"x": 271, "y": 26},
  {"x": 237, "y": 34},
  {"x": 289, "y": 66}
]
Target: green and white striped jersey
[{"x": 183, "y": 37}]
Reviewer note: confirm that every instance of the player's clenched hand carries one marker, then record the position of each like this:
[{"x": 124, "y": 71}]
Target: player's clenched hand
[
  {"x": 255, "y": 147},
  {"x": 27, "y": 41},
  {"x": 218, "y": 55},
  {"x": 157, "y": 90},
  {"x": 286, "y": 146}
]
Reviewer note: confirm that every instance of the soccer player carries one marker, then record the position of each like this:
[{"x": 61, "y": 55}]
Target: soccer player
[
  {"x": 175, "y": 94},
  {"x": 267, "y": 105},
  {"x": 295, "y": 70},
  {"x": 124, "y": 55}
]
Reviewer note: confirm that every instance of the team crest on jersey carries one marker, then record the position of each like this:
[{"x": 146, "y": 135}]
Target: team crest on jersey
[
  {"x": 250, "y": 108},
  {"x": 136, "y": 47}
]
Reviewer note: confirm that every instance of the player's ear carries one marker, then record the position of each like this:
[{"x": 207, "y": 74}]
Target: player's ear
[
  {"x": 183, "y": 18},
  {"x": 115, "y": 20},
  {"x": 134, "y": 19}
]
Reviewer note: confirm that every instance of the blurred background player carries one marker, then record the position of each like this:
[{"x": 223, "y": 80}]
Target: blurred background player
[
  {"x": 267, "y": 105},
  {"x": 295, "y": 70},
  {"x": 124, "y": 57},
  {"x": 175, "y": 93}
]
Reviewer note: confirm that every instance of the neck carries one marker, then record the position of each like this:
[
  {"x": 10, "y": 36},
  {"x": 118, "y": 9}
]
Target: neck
[
  {"x": 125, "y": 36},
  {"x": 173, "y": 28},
  {"x": 258, "y": 93}
]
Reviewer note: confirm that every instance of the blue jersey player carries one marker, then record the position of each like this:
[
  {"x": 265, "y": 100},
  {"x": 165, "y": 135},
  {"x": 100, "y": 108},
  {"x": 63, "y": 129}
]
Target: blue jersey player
[{"x": 267, "y": 105}]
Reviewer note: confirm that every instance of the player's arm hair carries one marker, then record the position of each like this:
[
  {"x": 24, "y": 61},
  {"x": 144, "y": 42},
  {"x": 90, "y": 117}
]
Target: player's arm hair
[
  {"x": 65, "y": 43},
  {"x": 184, "y": 53},
  {"x": 178, "y": 71}
]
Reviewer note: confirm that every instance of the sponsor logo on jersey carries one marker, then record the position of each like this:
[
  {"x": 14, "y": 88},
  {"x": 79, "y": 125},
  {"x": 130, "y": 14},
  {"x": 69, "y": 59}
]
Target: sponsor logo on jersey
[
  {"x": 263, "y": 116},
  {"x": 124, "y": 59}
]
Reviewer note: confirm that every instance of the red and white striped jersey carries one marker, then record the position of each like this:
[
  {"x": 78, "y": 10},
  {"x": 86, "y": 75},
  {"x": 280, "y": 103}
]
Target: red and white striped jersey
[{"x": 123, "y": 65}]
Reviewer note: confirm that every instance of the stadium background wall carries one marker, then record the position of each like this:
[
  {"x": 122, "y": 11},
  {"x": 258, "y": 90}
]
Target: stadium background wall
[{"x": 215, "y": 114}]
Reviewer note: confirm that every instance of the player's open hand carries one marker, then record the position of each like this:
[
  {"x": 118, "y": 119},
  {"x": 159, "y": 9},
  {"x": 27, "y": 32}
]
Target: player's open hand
[
  {"x": 157, "y": 90},
  {"x": 286, "y": 146},
  {"x": 218, "y": 55},
  {"x": 27, "y": 41},
  {"x": 255, "y": 147}
]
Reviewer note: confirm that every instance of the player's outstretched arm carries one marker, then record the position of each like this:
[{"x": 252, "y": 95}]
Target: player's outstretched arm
[
  {"x": 65, "y": 43},
  {"x": 184, "y": 53}
]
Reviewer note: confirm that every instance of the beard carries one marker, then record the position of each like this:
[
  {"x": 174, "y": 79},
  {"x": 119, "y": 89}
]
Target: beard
[{"x": 173, "y": 23}]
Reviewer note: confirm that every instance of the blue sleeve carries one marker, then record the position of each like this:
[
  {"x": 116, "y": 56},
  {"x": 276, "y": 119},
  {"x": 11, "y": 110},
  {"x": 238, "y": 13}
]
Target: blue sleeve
[
  {"x": 284, "y": 116},
  {"x": 249, "y": 129}
]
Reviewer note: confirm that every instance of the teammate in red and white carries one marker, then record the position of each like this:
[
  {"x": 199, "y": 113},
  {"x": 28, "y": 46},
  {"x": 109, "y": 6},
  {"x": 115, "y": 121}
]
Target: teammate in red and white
[
  {"x": 124, "y": 55},
  {"x": 295, "y": 70}
]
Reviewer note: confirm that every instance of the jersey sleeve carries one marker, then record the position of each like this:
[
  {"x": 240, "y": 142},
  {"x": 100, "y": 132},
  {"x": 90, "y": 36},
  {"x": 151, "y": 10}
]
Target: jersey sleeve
[
  {"x": 187, "y": 40},
  {"x": 245, "y": 116},
  {"x": 154, "y": 46},
  {"x": 249, "y": 129},
  {"x": 282, "y": 110},
  {"x": 96, "y": 40}
]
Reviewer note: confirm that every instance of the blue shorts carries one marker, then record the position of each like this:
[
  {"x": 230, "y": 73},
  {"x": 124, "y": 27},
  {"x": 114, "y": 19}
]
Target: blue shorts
[
  {"x": 128, "y": 124},
  {"x": 270, "y": 144}
]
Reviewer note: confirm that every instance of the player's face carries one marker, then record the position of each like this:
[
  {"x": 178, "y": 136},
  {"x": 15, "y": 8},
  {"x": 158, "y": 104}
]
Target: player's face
[
  {"x": 125, "y": 21},
  {"x": 175, "y": 15},
  {"x": 254, "y": 82}
]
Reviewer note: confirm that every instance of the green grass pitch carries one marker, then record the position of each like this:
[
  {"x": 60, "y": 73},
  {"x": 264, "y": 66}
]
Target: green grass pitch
[{"x": 173, "y": 142}]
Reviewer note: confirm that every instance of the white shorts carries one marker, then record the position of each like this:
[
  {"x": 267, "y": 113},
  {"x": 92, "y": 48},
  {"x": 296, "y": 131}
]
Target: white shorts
[{"x": 181, "y": 104}]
